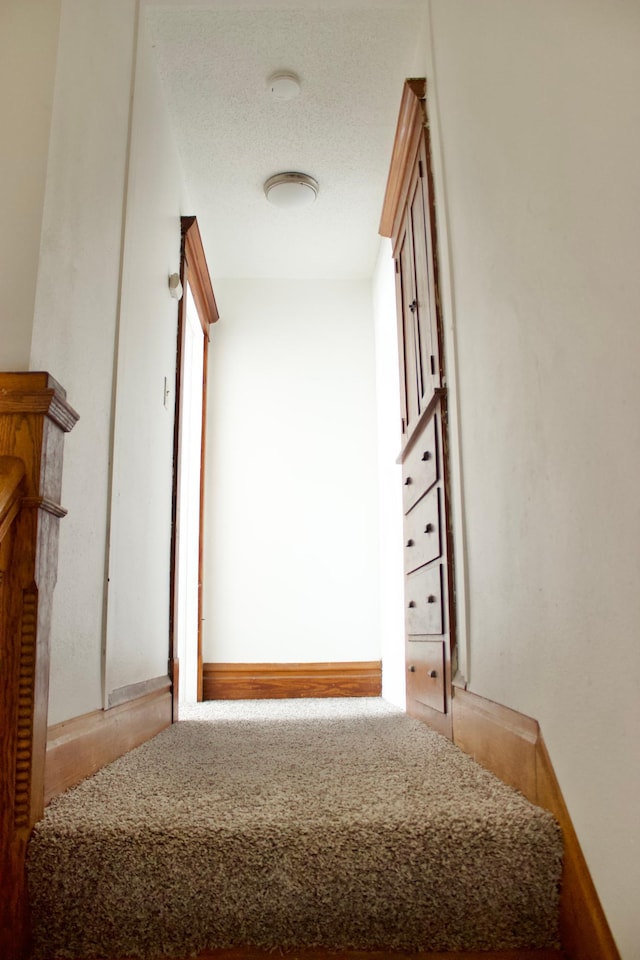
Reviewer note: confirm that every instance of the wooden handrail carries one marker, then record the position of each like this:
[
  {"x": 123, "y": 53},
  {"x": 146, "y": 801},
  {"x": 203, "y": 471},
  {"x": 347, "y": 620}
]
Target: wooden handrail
[{"x": 34, "y": 415}]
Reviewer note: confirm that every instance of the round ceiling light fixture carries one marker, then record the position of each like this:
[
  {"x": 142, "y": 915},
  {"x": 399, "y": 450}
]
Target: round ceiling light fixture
[
  {"x": 284, "y": 85},
  {"x": 291, "y": 191}
]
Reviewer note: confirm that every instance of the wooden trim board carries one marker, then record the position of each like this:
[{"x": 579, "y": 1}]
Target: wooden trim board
[
  {"x": 133, "y": 691},
  {"x": 259, "y": 681},
  {"x": 79, "y": 747},
  {"x": 198, "y": 273},
  {"x": 584, "y": 930},
  {"x": 326, "y": 953},
  {"x": 410, "y": 122},
  {"x": 511, "y": 746}
]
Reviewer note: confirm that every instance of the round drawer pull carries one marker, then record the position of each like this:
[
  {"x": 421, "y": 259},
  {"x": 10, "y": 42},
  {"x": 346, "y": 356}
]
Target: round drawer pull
[
  {"x": 431, "y": 598},
  {"x": 412, "y": 603},
  {"x": 426, "y": 455},
  {"x": 408, "y": 482},
  {"x": 409, "y": 543},
  {"x": 433, "y": 674},
  {"x": 412, "y": 669},
  {"x": 413, "y": 305},
  {"x": 428, "y": 528}
]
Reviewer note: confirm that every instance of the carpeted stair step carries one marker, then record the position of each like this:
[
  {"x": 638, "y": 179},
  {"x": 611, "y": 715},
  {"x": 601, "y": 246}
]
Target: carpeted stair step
[{"x": 319, "y": 823}]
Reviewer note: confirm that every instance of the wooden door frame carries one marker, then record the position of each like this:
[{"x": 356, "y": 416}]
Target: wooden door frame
[{"x": 194, "y": 272}]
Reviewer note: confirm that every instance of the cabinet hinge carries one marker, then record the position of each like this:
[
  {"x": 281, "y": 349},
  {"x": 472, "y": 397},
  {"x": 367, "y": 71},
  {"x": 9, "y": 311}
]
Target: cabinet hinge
[
  {"x": 402, "y": 425},
  {"x": 420, "y": 171},
  {"x": 397, "y": 267},
  {"x": 433, "y": 365}
]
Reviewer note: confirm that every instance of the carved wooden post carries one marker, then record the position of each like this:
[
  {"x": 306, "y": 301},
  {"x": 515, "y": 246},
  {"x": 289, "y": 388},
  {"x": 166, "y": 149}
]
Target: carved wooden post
[{"x": 34, "y": 416}]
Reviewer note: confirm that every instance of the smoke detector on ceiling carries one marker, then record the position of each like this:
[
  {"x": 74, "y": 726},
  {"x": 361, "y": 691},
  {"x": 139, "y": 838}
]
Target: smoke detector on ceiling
[
  {"x": 284, "y": 85},
  {"x": 291, "y": 191}
]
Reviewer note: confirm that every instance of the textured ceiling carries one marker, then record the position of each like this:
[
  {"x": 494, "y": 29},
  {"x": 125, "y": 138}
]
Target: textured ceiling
[{"x": 352, "y": 57}]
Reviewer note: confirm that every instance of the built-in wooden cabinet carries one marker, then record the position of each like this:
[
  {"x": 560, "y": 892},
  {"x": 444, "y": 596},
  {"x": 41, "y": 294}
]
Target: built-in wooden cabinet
[
  {"x": 409, "y": 219},
  {"x": 416, "y": 296}
]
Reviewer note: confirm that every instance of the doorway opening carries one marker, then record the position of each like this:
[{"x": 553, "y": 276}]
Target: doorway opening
[{"x": 197, "y": 311}]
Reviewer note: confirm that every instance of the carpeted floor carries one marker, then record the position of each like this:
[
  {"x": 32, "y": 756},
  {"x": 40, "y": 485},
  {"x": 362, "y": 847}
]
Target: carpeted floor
[{"x": 292, "y": 823}]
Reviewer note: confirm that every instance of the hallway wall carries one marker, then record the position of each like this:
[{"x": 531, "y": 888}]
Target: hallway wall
[
  {"x": 28, "y": 50},
  {"x": 75, "y": 321},
  {"x": 291, "y": 544},
  {"x": 538, "y": 184},
  {"x": 105, "y": 326},
  {"x": 137, "y": 630}
]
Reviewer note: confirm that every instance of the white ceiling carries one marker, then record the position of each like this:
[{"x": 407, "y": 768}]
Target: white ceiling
[{"x": 352, "y": 57}]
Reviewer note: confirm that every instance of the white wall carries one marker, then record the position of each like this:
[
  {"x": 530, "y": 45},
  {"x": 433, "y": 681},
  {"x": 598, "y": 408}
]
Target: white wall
[
  {"x": 139, "y": 555},
  {"x": 28, "y": 47},
  {"x": 104, "y": 320},
  {"x": 540, "y": 137},
  {"x": 75, "y": 318},
  {"x": 391, "y": 589},
  {"x": 291, "y": 553}
]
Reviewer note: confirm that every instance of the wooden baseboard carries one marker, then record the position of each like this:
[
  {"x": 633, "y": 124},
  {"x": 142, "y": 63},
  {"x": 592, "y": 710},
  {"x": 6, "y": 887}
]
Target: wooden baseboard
[
  {"x": 511, "y": 746},
  {"x": 259, "y": 681},
  {"x": 79, "y": 747},
  {"x": 500, "y": 739}
]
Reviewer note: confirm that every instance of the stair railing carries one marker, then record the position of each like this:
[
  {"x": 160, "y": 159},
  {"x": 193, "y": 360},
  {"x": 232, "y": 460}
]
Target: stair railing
[{"x": 34, "y": 416}]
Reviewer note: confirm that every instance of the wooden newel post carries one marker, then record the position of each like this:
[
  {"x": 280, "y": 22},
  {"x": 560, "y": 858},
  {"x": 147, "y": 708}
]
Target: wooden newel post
[{"x": 34, "y": 416}]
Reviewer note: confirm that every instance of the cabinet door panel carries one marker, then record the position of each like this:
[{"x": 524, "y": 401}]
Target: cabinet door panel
[
  {"x": 422, "y": 532},
  {"x": 425, "y": 360},
  {"x": 406, "y": 333},
  {"x": 423, "y": 593},
  {"x": 420, "y": 469},
  {"x": 426, "y": 673}
]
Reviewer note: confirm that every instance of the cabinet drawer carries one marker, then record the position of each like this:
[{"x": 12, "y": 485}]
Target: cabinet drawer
[
  {"x": 425, "y": 673},
  {"x": 422, "y": 532},
  {"x": 420, "y": 469},
  {"x": 423, "y": 597}
]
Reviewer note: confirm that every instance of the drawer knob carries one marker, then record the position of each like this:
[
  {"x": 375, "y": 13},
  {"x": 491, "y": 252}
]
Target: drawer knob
[
  {"x": 431, "y": 598},
  {"x": 412, "y": 603},
  {"x": 428, "y": 528},
  {"x": 433, "y": 674},
  {"x": 412, "y": 669},
  {"x": 408, "y": 481},
  {"x": 426, "y": 455},
  {"x": 413, "y": 305},
  {"x": 409, "y": 543}
]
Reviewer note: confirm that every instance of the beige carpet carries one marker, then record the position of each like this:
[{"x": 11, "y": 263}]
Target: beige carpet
[{"x": 293, "y": 823}]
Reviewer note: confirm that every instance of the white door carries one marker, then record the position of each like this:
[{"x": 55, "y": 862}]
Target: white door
[{"x": 188, "y": 506}]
